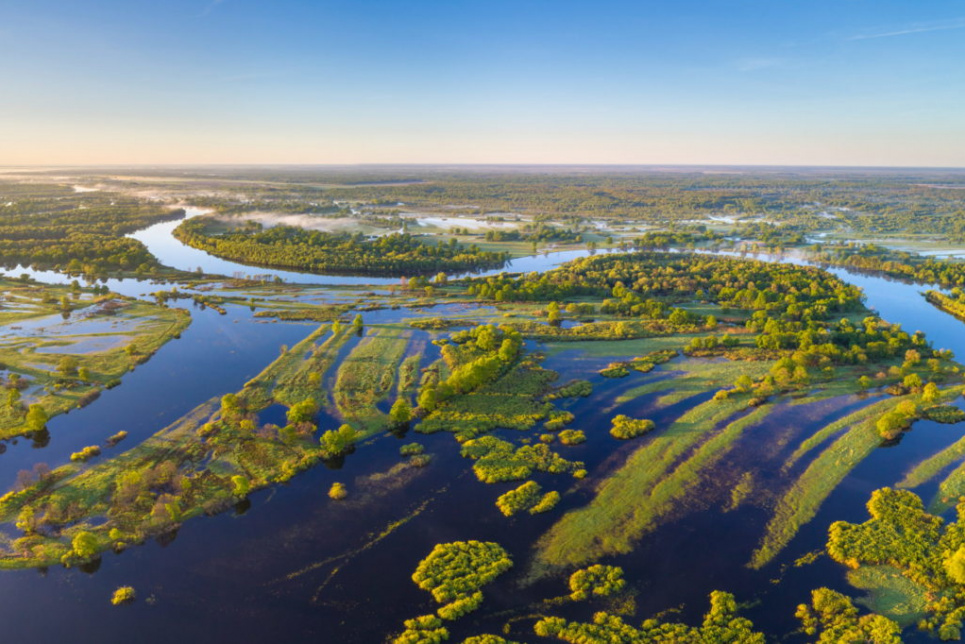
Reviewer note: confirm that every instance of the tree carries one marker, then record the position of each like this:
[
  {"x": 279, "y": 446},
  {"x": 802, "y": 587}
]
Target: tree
[
  {"x": 85, "y": 545},
  {"x": 36, "y": 417},
  {"x": 401, "y": 412},
  {"x": 67, "y": 366},
  {"x": 930, "y": 393},
  {"x": 241, "y": 485},
  {"x": 302, "y": 412}
]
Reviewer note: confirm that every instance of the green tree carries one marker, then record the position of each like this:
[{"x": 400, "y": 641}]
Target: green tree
[
  {"x": 85, "y": 545},
  {"x": 401, "y": 412}
]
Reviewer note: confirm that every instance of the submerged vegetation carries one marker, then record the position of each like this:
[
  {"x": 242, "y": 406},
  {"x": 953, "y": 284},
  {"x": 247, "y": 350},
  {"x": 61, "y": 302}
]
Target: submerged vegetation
[{"x": 740, "y": 391}]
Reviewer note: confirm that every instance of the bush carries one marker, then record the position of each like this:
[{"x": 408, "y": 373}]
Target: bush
[
  {"x": 547, "y": 503},
  {"x": 337, "y": 492},
  {"x": 457, "y": 570},
  {"x": 598, "y": 580},
  {"x": 123, "y": 595},
  {"x": 615, "y": 370},
  {"x": 625, "y": 427},
  {"x": 572, "y": 436},
  {"x": 86, "y": 454},
  {"x": 411, "y": 449},
  {"x": 522, "y": 498}
]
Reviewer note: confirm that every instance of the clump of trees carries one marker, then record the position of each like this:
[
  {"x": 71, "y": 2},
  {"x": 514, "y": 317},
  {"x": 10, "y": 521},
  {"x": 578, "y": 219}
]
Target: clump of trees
[
  {"x": 902, "y": 534},
  {"x": 597, "y": 580},
  {"x": 338, "y": 442},
  {"x": 527, "y": 497},
  {"x": 720, "y": 624},
  {"x": 833, "y": 618},
  {"x": 624, "y": 427},
  {"x": 572, "y": 436},
  {"x": 320, "y": 252},
  {"x": 455, "y": 573},
  {"x": 498, "y": 460}
]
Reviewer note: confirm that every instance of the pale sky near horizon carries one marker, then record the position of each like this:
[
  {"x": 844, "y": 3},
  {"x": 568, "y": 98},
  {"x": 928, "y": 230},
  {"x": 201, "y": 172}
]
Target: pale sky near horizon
[{"x": 848, "y": 82}]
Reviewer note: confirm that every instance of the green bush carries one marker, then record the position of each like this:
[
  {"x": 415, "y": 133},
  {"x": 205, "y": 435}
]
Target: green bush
[
  {"x": 522, "y": 498},
  {"x": 572, "y": 436},
  {"x": 597, "y": 580},
  {"x": 123, "y": 595},
  {"x": 625, "y": 427}
]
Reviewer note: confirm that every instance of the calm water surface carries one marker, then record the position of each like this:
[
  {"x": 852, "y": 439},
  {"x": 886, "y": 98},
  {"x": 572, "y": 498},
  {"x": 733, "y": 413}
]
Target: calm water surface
[{"x": 260, "y": 573}]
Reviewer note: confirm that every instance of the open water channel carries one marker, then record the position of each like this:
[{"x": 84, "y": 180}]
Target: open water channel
[{"x": 295, "y": 567}]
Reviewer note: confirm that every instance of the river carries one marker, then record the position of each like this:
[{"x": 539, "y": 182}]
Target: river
[{"x": 255, "y": 575}]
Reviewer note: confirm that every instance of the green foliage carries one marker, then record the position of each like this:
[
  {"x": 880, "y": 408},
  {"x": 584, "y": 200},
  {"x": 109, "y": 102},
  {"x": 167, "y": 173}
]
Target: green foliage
[
  {"x": 522, "y": 498},
  {"x": 455, "y": 572},
  {"x": 947, "y": 414},
  {"x": 498, "y": 460},
  {"x": 427, "y": 629},
  {"x": 242, "y": 485},
  {"x": 573, "y": 389},
  {"x": 624, "y": 427},
  {"x": 86, "y": 454},
  {"x": 615, "y": 370},
  {"x": 572, "y": 436},
  {"x": 411, "y": 449},
  {"x": 123, "y": 595},
  {"x": 597, "y": 580},
  {"x": 85, "y": 545},
  {"x": 302, "y": 412},
  {"x": 900, "y": 533},
  {"x": 834, "y": 619},
  {"x": 320, "y": 252},
  {"x": 336, "y": 442},
  {"x": 546, "y": 503},
  {"x": 721, "y": 624},
  {"x": 401, "y": 412},
  {"x": 337, "y": 492}
]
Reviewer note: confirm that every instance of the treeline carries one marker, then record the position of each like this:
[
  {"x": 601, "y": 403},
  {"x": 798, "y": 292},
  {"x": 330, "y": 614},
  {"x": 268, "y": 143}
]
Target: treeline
[
  {"x": 318, "y": 252},
  {"x": 535, "y": 233},
  {"x": 52, "y": 227},
  {"x": 893, "y": 263},
  {"x": 630, "y": 282}
]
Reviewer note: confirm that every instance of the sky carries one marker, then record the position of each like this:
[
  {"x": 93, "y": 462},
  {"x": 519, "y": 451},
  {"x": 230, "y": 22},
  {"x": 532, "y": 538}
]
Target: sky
[{"x": 763, "y": 82}]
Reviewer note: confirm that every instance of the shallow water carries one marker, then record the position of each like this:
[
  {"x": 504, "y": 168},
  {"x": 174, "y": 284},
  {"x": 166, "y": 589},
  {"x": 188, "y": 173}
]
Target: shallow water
[{"x": 254, "y": 574}]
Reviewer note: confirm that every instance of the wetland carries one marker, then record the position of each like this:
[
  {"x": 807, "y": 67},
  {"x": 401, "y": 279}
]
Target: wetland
[{"x": 665, "y": 431}]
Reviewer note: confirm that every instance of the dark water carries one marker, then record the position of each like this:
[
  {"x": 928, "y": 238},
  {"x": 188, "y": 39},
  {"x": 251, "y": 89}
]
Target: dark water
[{"x": 260, "y": 573}]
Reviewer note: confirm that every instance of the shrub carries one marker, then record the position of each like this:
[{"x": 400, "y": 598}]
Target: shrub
[
  {"x": 411, "y": 449},
  {"x": 615, "y": 370},
  {"x": 572, "y": 436},
  {"x": 457, "y": 570},
  {"x": 522, "y": 498},
  {"x": 547, "y": 503},
  {"x": 597, "y": 580},
  {"x": 86, "y": 454},
  {"x": 123, "y": 595},
  {"x": 625, "y": 427},
  {"x": 337, "y": 492}
]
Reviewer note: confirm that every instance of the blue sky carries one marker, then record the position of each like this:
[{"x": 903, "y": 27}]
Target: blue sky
[{"x": 848, "y": 82}]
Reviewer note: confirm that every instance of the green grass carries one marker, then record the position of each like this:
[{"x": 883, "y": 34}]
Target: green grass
[
  {"x": 694, "y": 376},
  {"x": 628, "y": 502},
  {"x": 367, "y": 375},
  {"x": 890, "y": 593},
  {"x": 805, "y": 496},
  {"x": 929, "y": 468},
  {"x": 149, "y": 327}
]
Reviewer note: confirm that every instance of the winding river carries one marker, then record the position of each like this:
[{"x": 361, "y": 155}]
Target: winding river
[{"x": 261, "y": 574}]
